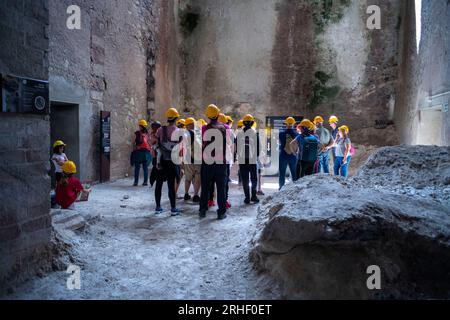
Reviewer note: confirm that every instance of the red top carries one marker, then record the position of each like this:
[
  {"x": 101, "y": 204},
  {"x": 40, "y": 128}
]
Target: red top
[
  {"x": 66, "y": 195},
  {"x": 142, "y": 141}
]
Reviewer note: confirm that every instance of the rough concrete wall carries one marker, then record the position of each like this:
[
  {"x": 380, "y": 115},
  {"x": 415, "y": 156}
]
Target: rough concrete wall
[
  {"x": 263, "y": 57},
  {"x": 226, "y": 58},
  {"x": 424, "y": 73},
  {"x": 107, "y": 65},
  {"x": 363, "y": 66},
  {"x": 24, "y": 139},
  {"x": 167, "y": 60}
]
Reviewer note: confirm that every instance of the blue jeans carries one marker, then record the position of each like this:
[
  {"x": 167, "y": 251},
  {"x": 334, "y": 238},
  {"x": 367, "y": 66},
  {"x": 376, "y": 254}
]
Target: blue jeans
[
  {"x": 137, "y": 168},
  {"x": 324, "y": 160},
  {"x": 284, "y": 163},
  {"x": 341, "y": 169}
]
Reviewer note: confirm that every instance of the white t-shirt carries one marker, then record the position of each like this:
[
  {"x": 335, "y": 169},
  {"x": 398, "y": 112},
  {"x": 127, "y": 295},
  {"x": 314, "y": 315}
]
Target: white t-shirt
[{"x": 58, "y": 157}]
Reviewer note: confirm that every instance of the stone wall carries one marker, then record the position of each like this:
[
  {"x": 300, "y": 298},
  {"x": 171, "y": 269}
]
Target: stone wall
[
  {"x": 424, "y": 72},
  {"x": 280, "y": 57},
  {"x": 25, "y": 226},
  {"x": 107, "y": 65}
]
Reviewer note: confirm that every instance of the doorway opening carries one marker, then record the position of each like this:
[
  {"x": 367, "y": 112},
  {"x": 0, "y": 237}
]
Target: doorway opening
[
  {"x": 430, "y": 127},
  {"x": 64, "y": 125}
]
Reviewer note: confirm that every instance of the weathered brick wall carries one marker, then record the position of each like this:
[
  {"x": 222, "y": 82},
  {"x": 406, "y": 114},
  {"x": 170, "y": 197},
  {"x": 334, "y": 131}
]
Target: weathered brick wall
[
  {"x": 25, "y": 226},
  {"x": 107, "y": 65}
]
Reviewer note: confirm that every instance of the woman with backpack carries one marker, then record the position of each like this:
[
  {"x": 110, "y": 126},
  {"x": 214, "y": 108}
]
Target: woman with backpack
[
  {"x": 288, "y": 157},
  {"x": 308, "y": 145},
  {"x": 344, "y": 151},
  {"x": 141, "y": 155},
  {"x": 168, "y": 169}
]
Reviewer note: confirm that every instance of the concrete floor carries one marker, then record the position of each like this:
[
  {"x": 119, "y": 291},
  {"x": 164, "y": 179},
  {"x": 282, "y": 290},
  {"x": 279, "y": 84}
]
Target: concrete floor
[{"x": 130, "y": 253}]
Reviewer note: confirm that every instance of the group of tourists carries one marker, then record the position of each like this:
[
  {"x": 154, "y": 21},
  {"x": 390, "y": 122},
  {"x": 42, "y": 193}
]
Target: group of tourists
[
  {"x": 203, "y": 152},
  {"x": 307, "y": 148}
]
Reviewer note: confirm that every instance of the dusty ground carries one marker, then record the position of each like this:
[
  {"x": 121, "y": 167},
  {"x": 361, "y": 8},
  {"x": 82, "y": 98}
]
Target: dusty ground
[{"x": 130, "y": 253}]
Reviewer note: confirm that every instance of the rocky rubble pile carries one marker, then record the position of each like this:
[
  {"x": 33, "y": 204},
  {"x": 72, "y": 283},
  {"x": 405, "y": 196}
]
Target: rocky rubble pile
[
  {"x": 318, "y": 237},
  {"x": 422, "y": 171}
]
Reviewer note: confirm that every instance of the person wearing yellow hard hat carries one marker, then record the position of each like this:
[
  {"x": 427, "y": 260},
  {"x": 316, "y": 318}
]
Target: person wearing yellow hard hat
[
  {"x": 248, "y": 151},
  {"x": 181, "y": 123},
  {"x": 192, "y": 169},
  {"x": 215, "y": 162},
  {"x": 223, "y": 118},
  {"x": 333, "y": 122},
  {"x": 344, "y": 152},
  {"x": 69, "y": 188},
  {"x": 230, "y": 121},
  {"x": 326, "y": 143},
  {"x": 168, "y": 138},
  {"x": 307, "y": 145},
  {"x": 201, "y": 123},
  {"x": 59, "y": 158},
  {"x": 288, "y": 156},
  {"x": 141, "y": 155}
]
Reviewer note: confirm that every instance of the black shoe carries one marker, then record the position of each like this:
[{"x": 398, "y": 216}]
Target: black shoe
[
  {"x": 255, "y": 199},
  {"x": 247, "y": 201},
  {"x": 202, "y": 214},
  {"x": 196, "y": 199},
  {"x": 187, "y": 197},
  {"x": 135, "y": 184},
  {"x": 222, "y": 216},
  {"x": 145, "y": 184}
]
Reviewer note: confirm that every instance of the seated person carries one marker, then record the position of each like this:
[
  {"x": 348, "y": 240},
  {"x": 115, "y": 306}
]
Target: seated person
[{"x": 69, "y": 188}]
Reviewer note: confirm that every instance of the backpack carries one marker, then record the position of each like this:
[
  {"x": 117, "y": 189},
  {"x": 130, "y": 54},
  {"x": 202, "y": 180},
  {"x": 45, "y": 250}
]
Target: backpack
[
  {"x": 352, "y": 150},
  {"x": 287, "y": 146},
  {"x": 248, "y": 147},
  {"x": 166, "y": 145},
  {"x": 310, "y": 149},
  {"x": 223, "y": 131}
]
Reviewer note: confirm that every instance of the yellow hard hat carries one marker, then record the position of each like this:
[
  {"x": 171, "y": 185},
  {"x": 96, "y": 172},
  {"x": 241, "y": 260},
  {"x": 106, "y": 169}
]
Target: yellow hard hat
[
  {"x": 223, "y": 118},
  {"x": 344, "y": 129},
  {"x": 240, "y": 123},
  {"x": 189, "y": 121},
  {"x": 248, "y": 117},
  {"x": 181, "y": 122},
  {"x": 201, "y": 122},
  {"x": 333, "y": 119},
  {"x": 230, "y": 119},
  {"x": 143, "y": 123},
  {"x": 307, "y": 124},
  {"x": 290, "y": 121},
  {"x": 318, "y": 119},
  {"x": 69, "y": 167},
  {"x": 172, "y": 113},
  {"x": 58, "y": 143},
  {"x": 212, "y": 111}
]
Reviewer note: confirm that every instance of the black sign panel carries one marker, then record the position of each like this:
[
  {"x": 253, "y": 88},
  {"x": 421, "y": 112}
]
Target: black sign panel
[
  {"x": 105, "y": 145},
  {"x": 22, "y": 95}
]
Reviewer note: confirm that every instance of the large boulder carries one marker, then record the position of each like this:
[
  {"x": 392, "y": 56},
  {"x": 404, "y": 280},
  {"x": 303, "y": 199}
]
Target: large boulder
[{"x": 318, "y": 237}]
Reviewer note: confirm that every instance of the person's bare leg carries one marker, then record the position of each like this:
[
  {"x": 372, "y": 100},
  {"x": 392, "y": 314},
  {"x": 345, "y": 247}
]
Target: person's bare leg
[
  {"x": 187, "y": 186},
  {"x": 197, "y": 184}
]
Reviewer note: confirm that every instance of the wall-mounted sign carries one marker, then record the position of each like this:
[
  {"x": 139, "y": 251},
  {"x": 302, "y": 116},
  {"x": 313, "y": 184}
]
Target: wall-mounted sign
[
  {"x": 105, "y": 145},
  {"x": 22, "y": 95}
]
